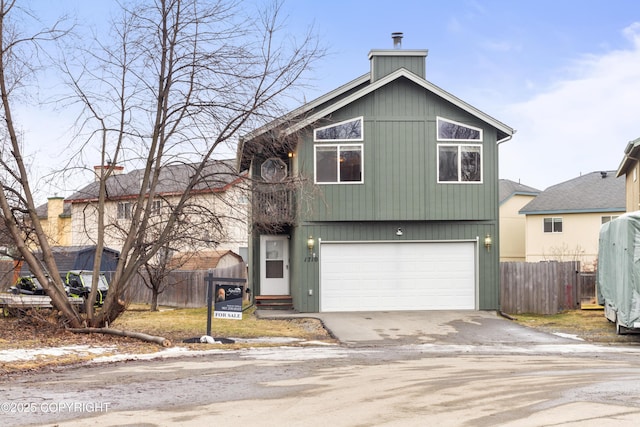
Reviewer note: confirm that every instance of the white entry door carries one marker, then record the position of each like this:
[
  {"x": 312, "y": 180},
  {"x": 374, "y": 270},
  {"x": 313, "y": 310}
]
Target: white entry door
[{"x": 274, "y": 265}]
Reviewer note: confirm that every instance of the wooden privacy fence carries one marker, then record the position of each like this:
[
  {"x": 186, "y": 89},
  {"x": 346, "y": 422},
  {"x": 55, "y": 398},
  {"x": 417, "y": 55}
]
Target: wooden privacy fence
[
  {"x": 541, "y": 288},
  {"x": 186, "y": 289}
]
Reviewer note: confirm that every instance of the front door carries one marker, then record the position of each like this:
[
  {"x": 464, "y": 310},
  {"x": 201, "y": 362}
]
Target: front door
[{"x": 274, "y": 265}]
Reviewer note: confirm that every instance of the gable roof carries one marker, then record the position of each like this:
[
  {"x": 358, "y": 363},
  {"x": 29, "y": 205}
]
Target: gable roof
[
  {"x": 352, "y": 91},
  {"x": 218, "y": 176},
  {"x": 592, "y": 192},
  {"x": 631, "y": 156},
  {"x": 203, "y": 260},
  {"x": 78, "y": 258},
  {"x": 508, "y": 189}
]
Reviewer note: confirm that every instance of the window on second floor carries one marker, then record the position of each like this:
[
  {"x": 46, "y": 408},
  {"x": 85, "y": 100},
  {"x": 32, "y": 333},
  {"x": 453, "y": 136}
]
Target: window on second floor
[
  {"x": 124, "y": 210},
  {"x": 459, "y": 163},
  {"x": 449, "y": 130},
  {"x": 553, "y": 225},
  {"x": 607, "y": 218},
  {"x": 338, "y": 163},
  {"x": 156, "y": 206},
  {"x": 348, "y": 130}
]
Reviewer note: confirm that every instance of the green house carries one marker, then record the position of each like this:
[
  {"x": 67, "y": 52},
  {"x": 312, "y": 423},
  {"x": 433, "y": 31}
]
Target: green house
[{"x": 380, "y": 195}]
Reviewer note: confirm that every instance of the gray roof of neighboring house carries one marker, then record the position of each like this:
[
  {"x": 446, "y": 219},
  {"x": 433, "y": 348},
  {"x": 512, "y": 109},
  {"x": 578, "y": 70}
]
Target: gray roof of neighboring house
[
  {"x": 218, "y": 175},
  {"x": 508, "y": 188},
  {"x": 592, "y": 192}
]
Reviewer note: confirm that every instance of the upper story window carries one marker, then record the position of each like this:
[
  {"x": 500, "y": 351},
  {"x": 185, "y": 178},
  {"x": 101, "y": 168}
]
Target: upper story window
[
  {"x": 553, "y": 225},
  {"x": 273, "y": 170},
  {"x": 607, "y": 218},
  {"x": 349, "y": 130},
  {"x": 338, "y": 163},
  {"x": 156, "y": 206},
  {"x": 124, "y": 210},
  {"x": 448, "y": 130},
  {"x": 459, "y": 163}
]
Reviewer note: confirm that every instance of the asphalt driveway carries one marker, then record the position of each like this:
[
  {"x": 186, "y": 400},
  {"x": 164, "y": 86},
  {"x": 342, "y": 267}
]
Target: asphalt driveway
[{"x": 463, "y": 327}]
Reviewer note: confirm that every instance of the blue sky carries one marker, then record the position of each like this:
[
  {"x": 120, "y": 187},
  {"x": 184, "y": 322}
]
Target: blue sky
[{"x": 564, "y": 73}]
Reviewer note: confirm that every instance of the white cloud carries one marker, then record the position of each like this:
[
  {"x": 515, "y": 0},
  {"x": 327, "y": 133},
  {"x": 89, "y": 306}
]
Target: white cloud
[{"x": 581, "y": 124}]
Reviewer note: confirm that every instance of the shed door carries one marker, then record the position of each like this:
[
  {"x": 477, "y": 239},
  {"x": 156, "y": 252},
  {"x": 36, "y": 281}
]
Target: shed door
[{"x": 397, "y": 276}]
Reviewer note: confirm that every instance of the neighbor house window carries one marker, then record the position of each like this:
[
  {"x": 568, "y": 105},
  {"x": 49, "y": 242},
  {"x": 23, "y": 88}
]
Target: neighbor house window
[
  {"x": 459, "y": 163},
  {"x": 124, "y": 210},
  {"x": 448, "y": 130},
  {"x": 349, "y": 130},
  {"x": 156, "y": 206},
  {"x": 553, "y": 225},
  {"x": 607, "y": 218},
  {"x": 338, "y": 164}
]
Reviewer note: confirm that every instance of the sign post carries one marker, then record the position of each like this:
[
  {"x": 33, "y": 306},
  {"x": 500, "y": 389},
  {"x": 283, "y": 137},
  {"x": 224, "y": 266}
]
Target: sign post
[{"x": 228, "y": 298}]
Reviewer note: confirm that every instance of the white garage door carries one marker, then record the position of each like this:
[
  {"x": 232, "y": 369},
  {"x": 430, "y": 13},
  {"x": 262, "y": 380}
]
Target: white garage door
[{"x": 397, "y": 276}]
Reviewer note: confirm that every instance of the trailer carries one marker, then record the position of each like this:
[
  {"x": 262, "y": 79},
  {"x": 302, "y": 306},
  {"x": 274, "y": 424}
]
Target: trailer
[
  {"x": 618, "y": 276},
  {"x": 11, "y": 304}
]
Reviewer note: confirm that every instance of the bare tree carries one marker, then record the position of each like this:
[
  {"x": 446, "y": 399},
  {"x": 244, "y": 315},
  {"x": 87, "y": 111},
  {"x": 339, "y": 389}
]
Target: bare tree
[{"x": 177, "y": 82}]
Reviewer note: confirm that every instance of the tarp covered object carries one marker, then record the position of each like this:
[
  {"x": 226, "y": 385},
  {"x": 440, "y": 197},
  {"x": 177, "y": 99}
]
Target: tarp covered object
[{"x": 618, "y": 277}]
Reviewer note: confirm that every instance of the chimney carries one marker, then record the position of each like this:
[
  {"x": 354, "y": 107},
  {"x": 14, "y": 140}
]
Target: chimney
[
  {"x": 100, "y": 170},
  {"x": 397, "y": 40}
]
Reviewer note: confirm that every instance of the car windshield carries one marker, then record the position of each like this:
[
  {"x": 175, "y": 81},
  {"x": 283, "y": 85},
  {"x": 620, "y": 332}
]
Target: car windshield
[{"x": 102, "y": 282}]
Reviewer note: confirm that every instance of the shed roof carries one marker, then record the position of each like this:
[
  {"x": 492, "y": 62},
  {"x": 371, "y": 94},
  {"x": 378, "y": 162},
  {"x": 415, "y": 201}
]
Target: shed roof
[{"x": 598, "y": 191}]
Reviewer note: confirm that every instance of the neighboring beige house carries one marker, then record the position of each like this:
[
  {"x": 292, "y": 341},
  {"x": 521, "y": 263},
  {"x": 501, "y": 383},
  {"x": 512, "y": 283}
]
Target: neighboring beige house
[
  {"x": 221, "y": 195},
  {"x": 55, "y": 219},
  {"x": 513, "y": 197},
  {"x": 563, "y": 222},
  {"x": 630, "y": 168}
]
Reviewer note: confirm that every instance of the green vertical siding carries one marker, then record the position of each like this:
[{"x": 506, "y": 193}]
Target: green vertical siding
[
  {"x": 400, "y": 164},
  {"x": 306, "y": 276}
]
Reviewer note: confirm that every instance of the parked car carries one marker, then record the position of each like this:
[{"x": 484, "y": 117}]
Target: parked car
[{"x": 78, "y": 284}]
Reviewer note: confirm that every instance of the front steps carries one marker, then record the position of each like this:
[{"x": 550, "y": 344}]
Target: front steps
[{"x": 274, "y": 302}]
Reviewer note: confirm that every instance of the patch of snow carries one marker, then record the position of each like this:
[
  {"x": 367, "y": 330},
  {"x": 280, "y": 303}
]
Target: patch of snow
[
  {"x": 570, "y": 336},
  {"x": 15, "y": 355}
]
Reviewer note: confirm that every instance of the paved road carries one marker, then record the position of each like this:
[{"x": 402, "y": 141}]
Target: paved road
[{"x": 473, "y": 369}]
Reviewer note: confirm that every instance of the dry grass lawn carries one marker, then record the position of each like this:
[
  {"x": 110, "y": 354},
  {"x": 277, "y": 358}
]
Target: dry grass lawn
[
  {"x": 176, "y": 325},
  {"x": 590, "y": 325}
]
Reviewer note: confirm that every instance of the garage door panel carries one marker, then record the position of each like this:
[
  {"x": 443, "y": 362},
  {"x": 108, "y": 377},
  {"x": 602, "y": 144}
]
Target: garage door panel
[{"x": 397, "y": 276}]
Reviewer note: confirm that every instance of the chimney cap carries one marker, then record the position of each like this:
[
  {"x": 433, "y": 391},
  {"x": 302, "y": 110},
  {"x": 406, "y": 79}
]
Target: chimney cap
[{"x": 397, "y": 39}]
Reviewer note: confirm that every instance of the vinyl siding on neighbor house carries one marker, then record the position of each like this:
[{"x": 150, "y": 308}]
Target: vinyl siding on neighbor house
[{"x": 578, "y": 240}]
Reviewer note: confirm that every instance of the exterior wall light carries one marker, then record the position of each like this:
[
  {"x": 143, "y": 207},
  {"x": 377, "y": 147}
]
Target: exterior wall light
[
  {"x": 311, "y": 243},
  {"x": 399, "y": 232},
  {"x": 488, "y": 242}
]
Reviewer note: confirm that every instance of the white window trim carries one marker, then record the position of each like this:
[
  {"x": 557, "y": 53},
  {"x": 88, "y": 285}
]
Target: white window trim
[
  {"x": 361, "y": 118},
  {"x": 459, "y": 181},
  {"x": 315, "y": 170},
  {"x": 438, "y": 119},
  {"x": 127, "y": 210},
  {"x": 553, "y": 220}
]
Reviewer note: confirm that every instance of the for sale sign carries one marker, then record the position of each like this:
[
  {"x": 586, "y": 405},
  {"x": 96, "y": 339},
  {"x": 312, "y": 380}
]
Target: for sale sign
[{"x": 228, "y": 302}]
